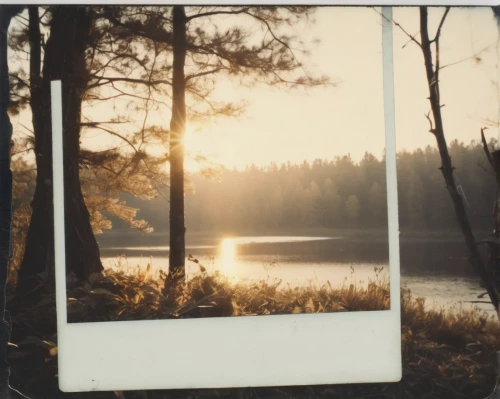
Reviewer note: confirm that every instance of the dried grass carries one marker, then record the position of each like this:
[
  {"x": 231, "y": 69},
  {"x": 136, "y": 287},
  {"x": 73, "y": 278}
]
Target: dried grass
[{"x": 446, "y": 353}]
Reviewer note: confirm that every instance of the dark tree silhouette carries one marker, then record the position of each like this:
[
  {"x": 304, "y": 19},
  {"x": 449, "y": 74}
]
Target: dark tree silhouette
[
  {"x": 69, "y": 35},
  {"x": 6, "y": 15},
  {"x": 430, "y": 48},
  {"x": 103, "y": 174},
  {"x": 432, "y": 69},
  {"x": 177, "y": 253}
]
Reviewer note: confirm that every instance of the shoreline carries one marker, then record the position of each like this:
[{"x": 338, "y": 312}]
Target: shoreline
[{"x": 373, "y": 235}]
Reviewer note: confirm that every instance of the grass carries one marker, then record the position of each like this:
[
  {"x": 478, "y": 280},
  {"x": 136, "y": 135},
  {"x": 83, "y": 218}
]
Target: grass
[
  {"x": 446, "y": 353},
  {"x": 115, "y": 296}
]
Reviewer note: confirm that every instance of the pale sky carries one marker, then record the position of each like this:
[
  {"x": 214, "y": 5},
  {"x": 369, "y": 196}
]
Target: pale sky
[{"x": 283, "y": 126}]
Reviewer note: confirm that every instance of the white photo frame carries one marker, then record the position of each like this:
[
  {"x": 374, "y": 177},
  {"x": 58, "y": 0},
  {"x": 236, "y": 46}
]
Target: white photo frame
[{"x": 306, "y": 349}]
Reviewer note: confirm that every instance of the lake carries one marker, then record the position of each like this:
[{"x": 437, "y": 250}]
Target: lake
[{"x": 435, "y": 270}]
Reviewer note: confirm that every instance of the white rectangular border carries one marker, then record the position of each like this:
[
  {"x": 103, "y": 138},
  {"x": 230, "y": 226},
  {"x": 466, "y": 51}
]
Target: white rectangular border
[{"x": 309, "y": 349}]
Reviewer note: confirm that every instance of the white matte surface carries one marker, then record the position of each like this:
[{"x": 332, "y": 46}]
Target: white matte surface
[{"x": 304, "y": 349}]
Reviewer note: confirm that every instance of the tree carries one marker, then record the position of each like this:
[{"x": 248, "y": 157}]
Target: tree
[
  {"x": 69, "y": 36},
  {"x": 268, "y": 56},
  {"x": 352, "y": 210},
  {"x": 377, "y": 204},
  {"x": 261, "y": 197},
  {"x": 177, "y": 252},
  {"x": 414, "y": 201},
  {"x": 432, "y": 70},
  {"x": 232, "y": 56},
  {"x": 332, "y": 204},
  {"x": 307, "y": 203},
  {"x": 432, "y": 74},
  {"x": 275, "y": 205},
  {"x": 103, "y": 175},
  {"x": 6, "y": 15}
]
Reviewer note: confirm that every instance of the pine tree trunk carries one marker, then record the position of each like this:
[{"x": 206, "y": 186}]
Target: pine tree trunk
[
  {"x": 64, "y": 60},
  {"x": 177, "y": 130}
]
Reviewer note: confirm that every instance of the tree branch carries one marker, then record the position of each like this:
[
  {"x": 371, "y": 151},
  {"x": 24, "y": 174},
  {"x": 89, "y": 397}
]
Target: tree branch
[
  {"x": 115, "y": 134},
  {"x": 411, "y": 37},
  {"x": 443, "y": 18},
  {"x": 431, "y": 127},
  {"x": 146, "y": 82},
  {"x": 486, "y": 149},
  {"x": 436, "y": 40},
  {"x": 208, "y": 14},
  {"x": 197, "y": 75}
]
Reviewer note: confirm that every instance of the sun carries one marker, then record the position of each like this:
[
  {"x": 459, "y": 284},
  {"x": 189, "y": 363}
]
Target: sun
[
  {"x": 200, "y": 142},
  {"x": 191, "y": 140}
]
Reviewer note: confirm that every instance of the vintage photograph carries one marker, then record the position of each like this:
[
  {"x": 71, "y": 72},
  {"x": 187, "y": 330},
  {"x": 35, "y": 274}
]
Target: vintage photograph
[
  {"x": 229, "y": 161},
  {"x": 213, "y": 164}
]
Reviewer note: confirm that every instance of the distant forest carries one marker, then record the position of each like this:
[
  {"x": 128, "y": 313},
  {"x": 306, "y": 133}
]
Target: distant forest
[{"x": 337, "y": 193}]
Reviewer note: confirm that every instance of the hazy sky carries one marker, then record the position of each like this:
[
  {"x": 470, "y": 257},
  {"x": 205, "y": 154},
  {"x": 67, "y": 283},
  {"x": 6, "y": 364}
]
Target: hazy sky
[
  {"x": 294, "y": 126},
  {"x": 281, "y": 126}
]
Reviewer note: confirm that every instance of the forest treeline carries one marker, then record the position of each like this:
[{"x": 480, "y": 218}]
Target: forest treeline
[{"x": 337, "y": 193}]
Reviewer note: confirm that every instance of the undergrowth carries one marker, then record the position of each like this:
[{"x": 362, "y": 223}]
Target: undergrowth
[
  {"x": 446, "y": 353},
  {"x": 114, "y": 296}
]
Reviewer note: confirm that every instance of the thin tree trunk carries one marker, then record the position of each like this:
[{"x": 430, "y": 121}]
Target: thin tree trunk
[
  {"x": 432, "y": 74},
  {"x": 177, "y": 130},
  {"x": 64, "y": 60}
]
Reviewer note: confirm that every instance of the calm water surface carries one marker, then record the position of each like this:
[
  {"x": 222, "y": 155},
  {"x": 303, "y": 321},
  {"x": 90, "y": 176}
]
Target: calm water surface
[{"x": 436, "y": 271}]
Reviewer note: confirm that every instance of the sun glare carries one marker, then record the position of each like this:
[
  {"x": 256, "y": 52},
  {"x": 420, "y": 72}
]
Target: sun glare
[
  {"x": 227, "y": 254},
  {"x": 198, "y": 144},
  {"x": 198, "y": 140},
  {"x": 191, "y": 141}
]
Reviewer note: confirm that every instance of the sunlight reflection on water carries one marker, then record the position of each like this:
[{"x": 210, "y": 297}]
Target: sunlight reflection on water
[{"x": 227, "y": 255}]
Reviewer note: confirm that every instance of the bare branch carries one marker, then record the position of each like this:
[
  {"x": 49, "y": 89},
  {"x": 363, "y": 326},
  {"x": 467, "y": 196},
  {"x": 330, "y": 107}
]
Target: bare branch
[
  {"x": 94, "y": 124},
  {"x": 127, "y": 80},
  {"x": 28, "y": 129},
  {"x": 411, "y": 37},
  {"x": 211, "y": 13},
  {"x": 287, "y": 46},
  {"x": 486, "y": 149},
  {"x": 146, "y": 106},
  {"x": 431, "y": 128},
  {"x": 23, "y": 151},
  {"x": 117, "y": 135},
  {"x": 468, "y": 58},
  {"x": 122, "y": 94},
  {"x": 197, "y": 75},
  {"x": 443, "y": 18},
  {"x": 436, "y": 40}
]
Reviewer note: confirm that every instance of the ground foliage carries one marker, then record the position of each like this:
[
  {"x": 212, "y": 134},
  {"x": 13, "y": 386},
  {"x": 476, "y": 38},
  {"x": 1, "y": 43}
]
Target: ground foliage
[{"x": 446, "y": 353}]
